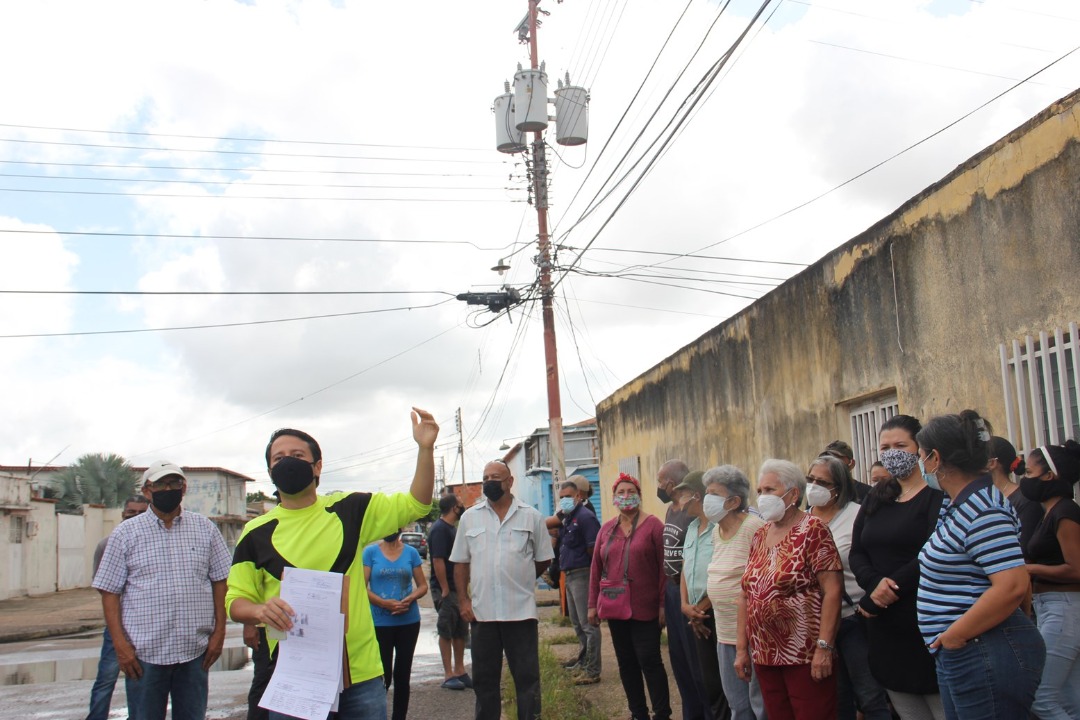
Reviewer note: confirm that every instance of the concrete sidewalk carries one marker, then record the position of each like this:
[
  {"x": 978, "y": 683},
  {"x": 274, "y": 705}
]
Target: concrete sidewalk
[{"x": 61, "y": 613}]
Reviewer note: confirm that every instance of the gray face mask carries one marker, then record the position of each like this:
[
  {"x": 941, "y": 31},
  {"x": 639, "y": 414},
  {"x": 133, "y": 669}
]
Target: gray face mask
[{"x": 899, "y": 463}]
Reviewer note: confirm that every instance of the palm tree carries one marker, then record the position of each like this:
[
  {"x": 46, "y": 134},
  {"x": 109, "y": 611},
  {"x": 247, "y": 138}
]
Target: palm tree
[{"x": 94, "y": 478}]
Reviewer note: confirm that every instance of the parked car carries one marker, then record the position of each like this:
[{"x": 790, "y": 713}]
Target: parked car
[{"x": 418, "y": 541}]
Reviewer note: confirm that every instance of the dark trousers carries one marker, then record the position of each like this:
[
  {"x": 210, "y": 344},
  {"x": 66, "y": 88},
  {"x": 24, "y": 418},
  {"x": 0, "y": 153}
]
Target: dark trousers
[
  {"x": 637, "y": 650},
  {"x": 710, "y": 670},
  {"x": 264, "y": 670},
  {"x": 399, "y": 641},
  {"x": 519, "y": 641},
  {"x": 684, "y": 658}
]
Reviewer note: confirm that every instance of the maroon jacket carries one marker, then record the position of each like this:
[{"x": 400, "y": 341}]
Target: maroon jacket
[{"x": 647, "y": 578}]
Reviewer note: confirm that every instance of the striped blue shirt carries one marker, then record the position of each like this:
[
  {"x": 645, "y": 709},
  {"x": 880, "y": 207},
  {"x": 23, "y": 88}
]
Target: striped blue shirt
[{"x": 978, "y": 535}]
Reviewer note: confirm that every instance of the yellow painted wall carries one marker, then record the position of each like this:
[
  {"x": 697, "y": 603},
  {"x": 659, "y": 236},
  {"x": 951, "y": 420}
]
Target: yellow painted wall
[{"x": 988, "y": 254}]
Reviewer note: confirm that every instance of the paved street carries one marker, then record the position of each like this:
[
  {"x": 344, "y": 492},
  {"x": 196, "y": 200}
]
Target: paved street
[{"x": 50, "y": 678}]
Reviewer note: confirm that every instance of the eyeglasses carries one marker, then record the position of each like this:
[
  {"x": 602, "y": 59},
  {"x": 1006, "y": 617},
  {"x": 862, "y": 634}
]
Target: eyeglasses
[
  {"x": 814, "y": 481},
  {"x": 167, "y": 484}
]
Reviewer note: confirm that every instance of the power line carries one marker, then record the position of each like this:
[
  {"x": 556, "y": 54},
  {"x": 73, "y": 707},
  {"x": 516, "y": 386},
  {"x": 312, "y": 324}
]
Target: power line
[
  {"x": 283, "y": 238},
  {"x": 247, "y": 183},
  {"x": 226, "y": 138},
  {"x": 225, "y": 292},
  {"x": 222, "y": 325},
  {"x": 877, "y": 165},
  {"x": 305, "y": 396},
  {"x": 133, "y": 166},
  {"x": 259, "y": 153},
  {"x": 251, "y": 197},
  {"x": 690, "y": 255}
]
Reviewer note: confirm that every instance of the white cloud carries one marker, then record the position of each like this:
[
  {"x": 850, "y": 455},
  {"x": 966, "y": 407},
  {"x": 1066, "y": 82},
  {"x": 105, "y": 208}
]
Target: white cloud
[{"x": 792, "y": 118}]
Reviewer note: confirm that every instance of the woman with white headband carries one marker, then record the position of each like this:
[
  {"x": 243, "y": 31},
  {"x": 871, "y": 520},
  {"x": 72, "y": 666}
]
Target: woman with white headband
[{"x": 1054, "y": 565}]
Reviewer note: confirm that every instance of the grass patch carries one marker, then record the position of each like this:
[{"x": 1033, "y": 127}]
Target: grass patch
[
  {"x": 560, "y": 620},
  {"x": 559, "y": 697},
  {"x": 563, "y": 639}
]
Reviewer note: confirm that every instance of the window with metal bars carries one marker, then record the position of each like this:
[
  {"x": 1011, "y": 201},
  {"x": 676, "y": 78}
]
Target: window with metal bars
[
  {"x": 866, "y": 419},
  {"x": 1041, "y": 381}
]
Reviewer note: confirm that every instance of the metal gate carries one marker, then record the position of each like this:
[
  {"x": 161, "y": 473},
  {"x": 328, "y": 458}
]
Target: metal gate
[{"x": 71, "y": 570}]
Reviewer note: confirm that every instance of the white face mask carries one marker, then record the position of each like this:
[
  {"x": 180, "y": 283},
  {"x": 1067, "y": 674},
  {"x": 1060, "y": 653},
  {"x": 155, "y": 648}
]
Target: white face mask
[
  {"x": 771, "y": 507},
  {"x": 713, "y": 507},
  {"x": 817, "y": 495}
]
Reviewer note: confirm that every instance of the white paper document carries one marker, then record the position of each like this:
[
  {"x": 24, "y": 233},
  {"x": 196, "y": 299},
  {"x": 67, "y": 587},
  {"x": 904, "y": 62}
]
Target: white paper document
[{"x": 308, "y": 677}]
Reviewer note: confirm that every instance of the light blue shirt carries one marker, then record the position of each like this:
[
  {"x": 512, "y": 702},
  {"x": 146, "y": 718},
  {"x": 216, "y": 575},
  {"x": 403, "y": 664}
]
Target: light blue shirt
[
  {"x": 392, "y": 580},
  {"x": 697, "y": 552}
]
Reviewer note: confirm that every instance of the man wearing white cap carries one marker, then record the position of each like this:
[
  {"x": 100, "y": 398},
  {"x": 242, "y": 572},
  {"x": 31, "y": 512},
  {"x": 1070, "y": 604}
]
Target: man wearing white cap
[{"x": 162, "y": 583}]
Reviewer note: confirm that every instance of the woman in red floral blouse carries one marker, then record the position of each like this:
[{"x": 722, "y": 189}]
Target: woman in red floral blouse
[{"x": 790, "y": 608}]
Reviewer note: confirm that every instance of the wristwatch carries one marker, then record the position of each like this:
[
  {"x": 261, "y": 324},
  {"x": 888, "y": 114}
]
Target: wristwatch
[{"x": 825, "y": 646}]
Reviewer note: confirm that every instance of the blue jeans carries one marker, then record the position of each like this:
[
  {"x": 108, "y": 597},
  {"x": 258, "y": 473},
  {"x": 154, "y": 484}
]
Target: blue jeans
[
  {"x": 994, "y": 675},
  {"x": 186, "y": 683},
  {"x": 743, "y": 697},
  {"x": 855, "y": 685},
  {"x": 107, "y": 672},
  {"x": 362, "y": 701},
  {"x": 1058, "y": 696}
]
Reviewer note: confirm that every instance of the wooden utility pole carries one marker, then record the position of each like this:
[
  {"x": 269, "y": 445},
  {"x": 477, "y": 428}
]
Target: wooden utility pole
[{"x": 551, "y": 355}]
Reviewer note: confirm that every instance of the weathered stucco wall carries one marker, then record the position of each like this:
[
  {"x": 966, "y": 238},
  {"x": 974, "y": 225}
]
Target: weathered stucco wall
[{"x": 988, "y": 254}]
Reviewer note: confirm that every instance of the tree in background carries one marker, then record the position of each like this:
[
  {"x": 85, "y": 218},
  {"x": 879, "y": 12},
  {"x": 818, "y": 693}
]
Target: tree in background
[{"x": 95, "y": 478}]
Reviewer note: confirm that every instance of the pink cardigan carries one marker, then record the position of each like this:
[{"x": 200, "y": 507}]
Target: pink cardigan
[{"x": 647, "y": 579}]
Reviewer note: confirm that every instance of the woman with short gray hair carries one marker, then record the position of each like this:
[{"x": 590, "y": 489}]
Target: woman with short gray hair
[
  {"x": 726, "y": 503},
  {"x": 789, "y": 607}
]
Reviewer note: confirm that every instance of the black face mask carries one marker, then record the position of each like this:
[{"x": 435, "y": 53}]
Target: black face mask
[
  {"x": 392, "y": 538},
  {"x": 167, "y": 500},
  {"x": 292, "y": 475},
  {"x": 458, "y": 512},
  {"x": 493, "y": 490},
  {"x": 1038, "y": 490},
  {"x": 663, "y": 496}
]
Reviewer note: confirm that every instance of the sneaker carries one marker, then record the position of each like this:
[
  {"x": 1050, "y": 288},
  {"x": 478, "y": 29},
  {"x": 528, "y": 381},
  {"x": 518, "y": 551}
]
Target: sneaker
[
  {"x": 453, "y": 684},
  {"x": 465, "y": 680},
  {"x": 586, "y": 679}
]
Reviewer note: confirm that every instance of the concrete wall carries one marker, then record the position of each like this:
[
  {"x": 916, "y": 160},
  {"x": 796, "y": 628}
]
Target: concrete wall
[{"x": 988, "y": 254}]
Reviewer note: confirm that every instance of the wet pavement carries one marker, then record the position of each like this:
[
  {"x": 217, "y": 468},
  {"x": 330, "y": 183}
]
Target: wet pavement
[{"x": 50, "y": 678}]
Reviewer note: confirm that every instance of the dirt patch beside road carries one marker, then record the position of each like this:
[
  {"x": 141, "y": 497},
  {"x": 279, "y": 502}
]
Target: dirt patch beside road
[{"x": 61, "y": 613}]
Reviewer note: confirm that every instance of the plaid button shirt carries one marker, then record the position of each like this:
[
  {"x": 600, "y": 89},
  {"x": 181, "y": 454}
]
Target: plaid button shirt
[{"x": 163, "y": 577}]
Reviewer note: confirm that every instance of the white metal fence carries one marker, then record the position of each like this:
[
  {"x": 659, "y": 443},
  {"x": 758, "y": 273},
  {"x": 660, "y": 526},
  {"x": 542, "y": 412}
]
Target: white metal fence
[{"x": 1041, "y": 381}]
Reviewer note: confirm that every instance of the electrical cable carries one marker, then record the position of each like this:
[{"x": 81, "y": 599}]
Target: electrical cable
[
  {"x": 258, "y": 153},
  {"x": 129, "y": 166},
  {"x": 877, "y": 165},
  {"x": 246, "y": 183},
  {"x": 282, "y": 238},
  {"x": 226, "y": 292},
  {"x": 226, "y": 138},
  {"x": 221, "y": 325},
  {"x": 251, "y": 197},
  {"x": 304, "y": 397}
]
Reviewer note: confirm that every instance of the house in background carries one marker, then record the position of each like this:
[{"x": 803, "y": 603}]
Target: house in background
[{"x": 530, "y": 463}]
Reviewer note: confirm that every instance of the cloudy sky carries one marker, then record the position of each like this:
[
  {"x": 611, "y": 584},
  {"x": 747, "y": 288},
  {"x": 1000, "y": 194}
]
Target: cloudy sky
[{"x": 302, "y": 147}]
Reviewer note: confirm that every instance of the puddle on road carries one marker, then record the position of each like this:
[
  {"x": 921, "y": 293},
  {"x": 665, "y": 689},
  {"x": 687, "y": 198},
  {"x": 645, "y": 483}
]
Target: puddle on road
[{"x": 35, "y": 673}]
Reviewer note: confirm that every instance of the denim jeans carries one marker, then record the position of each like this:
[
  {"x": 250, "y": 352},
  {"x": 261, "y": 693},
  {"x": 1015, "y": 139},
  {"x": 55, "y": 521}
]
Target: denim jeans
[
  {"x": 107, "y": 672},
  {"x": 519, "y": 640},
  {"x": 743, "y": 697},
  {"x": 855, "y": 685},
  {"x": 684, "y": 661},
  {"x": 362, "y": 701},
  {"x": 577, "y": 604},
  {"x": 1058, "y": 696},
  {"x": 637, "y": 651},
  {"x": 186, "y": 683},
  {"x": 994, "y": 675}
]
